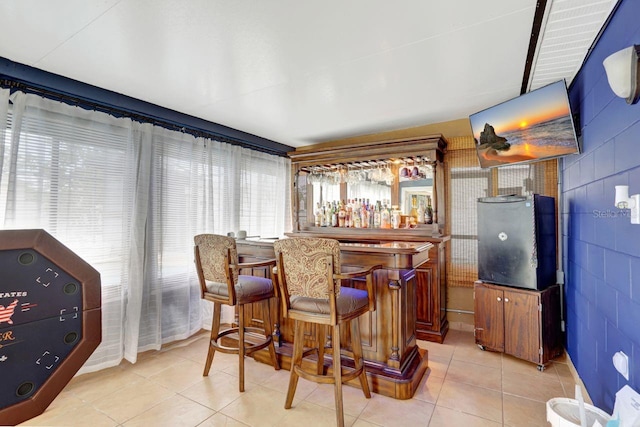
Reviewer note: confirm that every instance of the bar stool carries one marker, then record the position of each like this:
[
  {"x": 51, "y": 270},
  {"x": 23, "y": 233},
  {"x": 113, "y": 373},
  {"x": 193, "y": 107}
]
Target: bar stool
[
  {"x": 308, "y": 280},
  {"x": 216, "y": 259}
]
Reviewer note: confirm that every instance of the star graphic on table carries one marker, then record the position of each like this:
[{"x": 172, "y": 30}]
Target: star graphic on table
[{"x": 3, "y": 358}]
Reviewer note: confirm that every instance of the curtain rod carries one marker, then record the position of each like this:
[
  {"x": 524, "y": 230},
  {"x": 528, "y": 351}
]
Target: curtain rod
[{"x": 15, "y": 85}]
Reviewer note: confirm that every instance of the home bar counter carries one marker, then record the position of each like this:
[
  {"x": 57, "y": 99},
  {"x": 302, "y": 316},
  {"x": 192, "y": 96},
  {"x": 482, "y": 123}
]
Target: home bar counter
[
  {"x": 404, "y": 175},
  {"x": 395, "y": 365}
]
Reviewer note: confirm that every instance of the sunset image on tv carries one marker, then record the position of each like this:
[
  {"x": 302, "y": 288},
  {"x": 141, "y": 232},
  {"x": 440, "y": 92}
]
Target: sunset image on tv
[{"x": 532, "y": 127}]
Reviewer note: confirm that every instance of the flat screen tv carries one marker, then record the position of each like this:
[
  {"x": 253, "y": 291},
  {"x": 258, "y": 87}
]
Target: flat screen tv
[{"x": 535, "y": 126}]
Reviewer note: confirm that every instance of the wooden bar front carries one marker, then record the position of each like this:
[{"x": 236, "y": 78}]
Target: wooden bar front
[
  {"x": 431, "y": 290},
  {"x": 395, "y": 364}
]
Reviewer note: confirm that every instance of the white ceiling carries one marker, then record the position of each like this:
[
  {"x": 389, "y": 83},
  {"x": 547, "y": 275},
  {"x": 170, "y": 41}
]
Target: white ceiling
[{"x": 303, "y": 72}]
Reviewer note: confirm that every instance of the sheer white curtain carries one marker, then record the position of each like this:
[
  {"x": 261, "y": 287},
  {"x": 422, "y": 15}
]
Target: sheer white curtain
[
  {"x": 128, "y": 198},
  {"x": 66, "y": 170}
]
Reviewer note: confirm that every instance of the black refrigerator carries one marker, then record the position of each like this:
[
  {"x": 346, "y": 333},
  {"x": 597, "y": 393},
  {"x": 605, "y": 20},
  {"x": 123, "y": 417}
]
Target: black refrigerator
[{"x": 517, "y": 241}]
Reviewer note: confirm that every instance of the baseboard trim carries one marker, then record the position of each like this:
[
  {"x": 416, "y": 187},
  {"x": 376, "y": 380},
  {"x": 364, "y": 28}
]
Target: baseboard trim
[{"x": 577, "y": 379}]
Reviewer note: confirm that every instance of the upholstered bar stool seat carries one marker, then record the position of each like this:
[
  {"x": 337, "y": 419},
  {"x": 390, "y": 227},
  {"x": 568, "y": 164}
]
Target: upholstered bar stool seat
[
  {"x": 350, "y": 301},
  {"x": 247, "y": 289},
  {"x": 217, "y": 264},
  {"x": 309, "y": 281}
]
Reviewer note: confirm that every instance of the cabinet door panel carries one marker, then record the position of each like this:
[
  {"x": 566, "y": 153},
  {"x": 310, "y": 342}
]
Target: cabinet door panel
[
  {"x": 408, "y": 311},
  {"x": 425, "y": 298},
  {"x": 522, "y": 320},
  {"x": 366, "y": 321},
  {"x": 489, "y": 318}
]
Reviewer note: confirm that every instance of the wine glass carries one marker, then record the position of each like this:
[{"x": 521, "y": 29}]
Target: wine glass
[{"x": 388, "y": 175}]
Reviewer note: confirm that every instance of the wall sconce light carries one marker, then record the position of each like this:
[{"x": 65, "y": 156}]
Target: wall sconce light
[
  {"x": 623, "y": 74},
  {"x": 623, "y": 201}
]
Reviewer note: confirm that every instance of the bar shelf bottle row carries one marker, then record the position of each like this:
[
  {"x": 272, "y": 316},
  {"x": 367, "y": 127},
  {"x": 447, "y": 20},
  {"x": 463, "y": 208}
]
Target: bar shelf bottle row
[{"x": 360, "y": 213}]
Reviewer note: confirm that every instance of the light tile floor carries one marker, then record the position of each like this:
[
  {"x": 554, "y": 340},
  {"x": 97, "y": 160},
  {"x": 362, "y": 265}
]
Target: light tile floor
[{"x": 464, "y": 386}]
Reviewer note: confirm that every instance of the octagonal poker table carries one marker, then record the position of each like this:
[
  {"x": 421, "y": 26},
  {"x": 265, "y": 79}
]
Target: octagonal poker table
[{"x": 50, "y": 320}]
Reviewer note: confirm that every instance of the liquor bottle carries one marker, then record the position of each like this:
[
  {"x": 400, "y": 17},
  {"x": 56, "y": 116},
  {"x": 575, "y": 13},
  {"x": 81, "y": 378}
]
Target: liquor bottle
[
  {"x": 277, "y": 336},
  {"x": 421, "y": 213},
  {"x": 372, "y": 213},
  {"x": 327, "y": 215},
  {"x": 364, "y": 215},
  {"x": 428, "y": 214},
  {"x": 357, "y": 219},
  {"x": 342, "y": 214},
  {"x": 395, "y": 217},
  {"x": 414, "y": 209},
  {"x": 385, "y": 217},
  {"x": 376, "y": 215},
  {"x": 318, "y": 215},
  {"x": 334, "y": 215}
]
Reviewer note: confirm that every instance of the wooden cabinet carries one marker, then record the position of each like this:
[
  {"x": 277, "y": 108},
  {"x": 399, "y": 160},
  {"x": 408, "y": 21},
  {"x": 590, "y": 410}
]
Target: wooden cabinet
[
  {"x": 521, "y": 322},
  {"x": 431, "y": 295}
]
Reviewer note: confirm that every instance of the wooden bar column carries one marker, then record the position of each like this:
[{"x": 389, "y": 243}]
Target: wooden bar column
[{"x": 394, "y": 285}]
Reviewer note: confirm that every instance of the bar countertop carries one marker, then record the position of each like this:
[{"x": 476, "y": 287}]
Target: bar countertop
[
  {"x": 387, "y": 247},
  {"x": 391, "y": 254},
  {"x": 375, "y": 247}
]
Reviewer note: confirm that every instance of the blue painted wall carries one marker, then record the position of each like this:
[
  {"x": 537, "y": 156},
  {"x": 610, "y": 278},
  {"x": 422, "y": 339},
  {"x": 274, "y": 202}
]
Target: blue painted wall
[{"x": 601, "y": 256}]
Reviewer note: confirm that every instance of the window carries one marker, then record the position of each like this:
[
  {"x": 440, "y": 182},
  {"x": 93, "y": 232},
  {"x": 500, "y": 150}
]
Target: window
[{"x": 128, "y": 198}]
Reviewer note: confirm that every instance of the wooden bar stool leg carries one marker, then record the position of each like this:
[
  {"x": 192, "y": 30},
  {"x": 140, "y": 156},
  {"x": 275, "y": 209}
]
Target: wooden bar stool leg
[
  {"x": 337, "y": 375},
  {"x": 296, "y": 362},
  {"x": 241, "y": 348},
  {"x": 321, "y": 339},
  {"x": 215, "y": 330},
  {"x": 358, "y": 357},
  {"x": 266, "y": 319}
]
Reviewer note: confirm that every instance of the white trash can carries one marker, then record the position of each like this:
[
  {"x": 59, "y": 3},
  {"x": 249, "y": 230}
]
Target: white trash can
[{"x": 564, "y": 412}]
